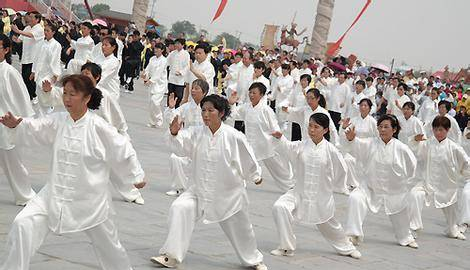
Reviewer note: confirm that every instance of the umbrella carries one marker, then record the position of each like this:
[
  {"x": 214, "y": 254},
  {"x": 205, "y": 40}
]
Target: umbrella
[
  {"x": 336, "y": 66},
  {"x": 381, "y": 67},
  {"x": 362, "y": 71},
  {"x": 10, "y": 11},
  {"x": 99, "y": 22}
]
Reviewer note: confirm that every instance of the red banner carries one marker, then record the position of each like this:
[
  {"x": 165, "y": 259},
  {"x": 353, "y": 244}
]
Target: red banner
[
  {"x": 331, "y": 51},
  {"x": 222, "y": 5}
]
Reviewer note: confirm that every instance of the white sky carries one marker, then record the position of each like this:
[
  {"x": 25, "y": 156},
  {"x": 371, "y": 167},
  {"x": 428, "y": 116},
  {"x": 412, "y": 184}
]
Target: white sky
[{"x": 423, "y": 33}]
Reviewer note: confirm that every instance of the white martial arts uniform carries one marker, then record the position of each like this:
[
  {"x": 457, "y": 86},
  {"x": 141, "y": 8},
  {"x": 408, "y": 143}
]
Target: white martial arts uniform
[
  {"x": 337, "y": 97},
  {"x": 109, "y": 81},
  {"x": 352, "y": 109},
  {"x": 232, "y": 80},
  {"x": 111, "y": 112},
  {"x": 157, "y": 75},
  {"x": 222, "y": 164},
  {"x": 47, "y": 64},
  {"x": 178, "y": 61},
  {"x": 245, "y": 77},
  {"x": 260, "y": 122},
  {"x": 190, "y": 115},
  {"x": 83, "y": 47},
  {"x": 320, "y": 168},
  {"x": 428, "y": 110},
  {"x": 388, "y": 170},
  {"x": 14, "y": 98},
  {"x": 75, "y": 197},
  {"x": 446, "y": 167},
  {"x": 205, "y": 68},
  {"x": 365, "y": 128},
  {"x": 455, "y": 134},
  {"x": 284, "y": 88},
  {"x": 394, "y": 109}
]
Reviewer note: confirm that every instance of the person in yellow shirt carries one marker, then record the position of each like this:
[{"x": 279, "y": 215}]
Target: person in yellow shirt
[{"x": 6, "y": 23}]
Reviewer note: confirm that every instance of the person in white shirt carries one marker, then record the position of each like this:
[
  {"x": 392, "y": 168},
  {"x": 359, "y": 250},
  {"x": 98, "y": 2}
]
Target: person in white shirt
[
  {"x": 454, "y": 133},
  {"x": 304, "y": 69},
  {"x": 31, "y": 38},
  {"x": 260, "y": 121},
  {"x": 97, "y": 52},
  {"x": 48, "y": 66},
  {"x": 294, "y": 71},
  {"x": 190, "y": 114},
  {"x": 319, "y": 168},
  {"x": 259, "y": 68},
  {"x": 429, "y": 108},
  {"x": 370, "y": 93},
  {"x": 110, "y": 66},
  {"x": 395, "y": 107},
  {"x": 284, "y": 88},
  {"x": 201, "y": 68},
  {"x": 355, "y": 97},
  {"x": 155, "y": 78},
  {"x": 76, "y": 196},
  {"x": 178, "y": 60},
  {"x": 14, "y": 99},
  {"x": 114, "y": 34},
  {"x": 389, "y": 165},
  {"x": 223, "y": 162},
  {"x": 390, "y": 92},
  {"x": 82, "y": 47},
  {"x": 245, "y": 77},
  {"x": 336, "y": 98},
  {"x": 446, "y": 167},
  {"x": 230, "y": 81},
  {"x": 276, "y": 72},
  {"x": 297, "y": 99}
]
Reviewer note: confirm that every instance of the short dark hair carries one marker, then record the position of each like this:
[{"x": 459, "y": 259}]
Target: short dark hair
[
  {"x": 202, "y": 84},
  {"x": 82, "y": 83},
  {"x": 441, "y": 121},
  {"x": 445, "y": 103},
  {"x": 6, "y": 44},
  {"x": 410, "y": 105},
  {"x": 95, "y": 70},
  {"x": 369, "y": 79},
  {"x": 324, "y": 121},
  {"x": 87, "y": 25},
  {"x": 307, "y": 77},
  {"x": 204, "y": 46},
  {"x": 220, "y": 103},
  {"x": 259, "y": 65},
  {"x": 260, "y": 86},
  {"x": 362, "y": 83},
  {"x": 394, "y": 122},
  {"x": 181, "y": 41},
  {"x": 285, "y": 66},
  {"x": 366, "y": 100}
]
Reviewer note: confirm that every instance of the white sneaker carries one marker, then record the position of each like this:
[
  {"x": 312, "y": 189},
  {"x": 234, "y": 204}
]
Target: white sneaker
[
  {"x": 260, "y": 266},
  {"x": 175, "y": 192},
  {"x": 413, "y": 245},
  {"x": 139, "y": 200},
  {"x": 354, "y": 239},
  {"x": 282, "y": 252},
  {"x": 463, "y": 227},
  {"x": 166, "y": 261},
  {"x": 460, "y": 236},
  {"x": 355, "y": 254},
  {"x": 151, "y": 125}
]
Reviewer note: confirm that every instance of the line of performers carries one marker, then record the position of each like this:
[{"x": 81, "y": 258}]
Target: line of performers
[{"x": 389, "y": 162}]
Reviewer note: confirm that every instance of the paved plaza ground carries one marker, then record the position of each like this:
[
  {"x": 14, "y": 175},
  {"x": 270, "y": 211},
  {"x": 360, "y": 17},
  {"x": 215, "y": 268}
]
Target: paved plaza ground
[{"x": 143, "y": 229}]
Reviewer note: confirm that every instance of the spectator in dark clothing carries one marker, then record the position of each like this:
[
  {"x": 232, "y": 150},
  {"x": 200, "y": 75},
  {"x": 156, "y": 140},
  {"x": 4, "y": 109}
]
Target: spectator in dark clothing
[
  {"x": 462, "y": 118},
  {"x": 132, "y": 61}
]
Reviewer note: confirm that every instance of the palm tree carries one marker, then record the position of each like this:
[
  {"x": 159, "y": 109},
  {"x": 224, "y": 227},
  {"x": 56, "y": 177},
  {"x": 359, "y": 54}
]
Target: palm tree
[
  {"x": 139, "y": 13},
  {"x": 321, "y": 28}
]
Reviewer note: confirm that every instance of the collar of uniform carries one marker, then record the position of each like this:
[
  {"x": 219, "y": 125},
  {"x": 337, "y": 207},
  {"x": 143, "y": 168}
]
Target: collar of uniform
[
  {"x": 217, "y": 133},
  {"x": 435, "y": 141},
  {"x": 382, "y": 143},
  {"x": 3, "y": 63},
  {"x": 80, "y": 122},
  {"x": 315, "y": 145}
]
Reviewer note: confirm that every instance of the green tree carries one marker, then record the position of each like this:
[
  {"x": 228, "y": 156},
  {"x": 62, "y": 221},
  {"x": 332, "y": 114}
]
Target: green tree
[
  {"x": 232, "y": 41},
  {"x": 185, "y": 27},
  {"x": 80, "y": 11},
  {"x": 100, "y": 7}
]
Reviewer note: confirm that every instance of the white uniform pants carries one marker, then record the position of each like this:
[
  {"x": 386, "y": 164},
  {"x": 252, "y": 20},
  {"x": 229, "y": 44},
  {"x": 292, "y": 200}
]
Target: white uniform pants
[
  {"x": 357, "y": 212},
  {"x": 30, "y": 228},
  {"x": 281, "y": 171},
  {"x": 417, "y": 201},
  {"x": 178, "y": 165},
  {"x": 464, "y": 205},
  {"x": 331, "y": 230},
  {"x": 156, "y": 109},
  {"x": 182, "y": 218},
  {"x": 353, "y": 177},
  {"x": 17, "y": 175}
]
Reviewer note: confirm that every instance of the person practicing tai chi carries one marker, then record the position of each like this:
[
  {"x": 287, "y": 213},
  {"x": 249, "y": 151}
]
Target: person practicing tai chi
[
  {"x": 76, "y": 197},
  {"x": 260, "y": 122},
  {"x": 446, "y": 167},
  {"x": 319, "y": 166},
  {"x": 13, "y": 98},
  {"x": 223, "y": 162},
  {"x": 389, "y": 166}
]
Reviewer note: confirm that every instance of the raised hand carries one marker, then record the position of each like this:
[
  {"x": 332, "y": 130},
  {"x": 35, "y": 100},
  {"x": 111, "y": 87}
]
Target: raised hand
[
  {"x": 46, "y": 86},
  {"x": 351, "y": 134},
  {"x": 285, "y": 109},
  {"x": 233, "y": 97},
  {"x": 346, "y": 123},
  {"x": 276, "y": 134},
  {"x": 172, "y": 101},
  {"x": 419, "y": 138},
  {"x": 9, "y": 120},
  {"x": 175, "y": 126}
]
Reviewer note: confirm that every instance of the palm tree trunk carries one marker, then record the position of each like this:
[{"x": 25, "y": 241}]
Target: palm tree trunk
[
  {"x": 321, "y": 28},
  {"x": 139, "y": 14}
]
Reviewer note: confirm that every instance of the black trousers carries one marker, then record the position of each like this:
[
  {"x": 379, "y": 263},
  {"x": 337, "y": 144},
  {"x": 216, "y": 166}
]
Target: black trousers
[
  {"x": 178, "y": 90},
  {"x": 30, "y": 84},
  {"x": 336, "y": 117},
  {"x": 296, "y": 132},
  {"x": 240, "y": 126}
]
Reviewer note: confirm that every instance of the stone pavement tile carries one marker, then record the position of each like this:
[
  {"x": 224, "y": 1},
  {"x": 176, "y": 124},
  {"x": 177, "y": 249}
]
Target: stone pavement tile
[{"x": 59, "y": 265}]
